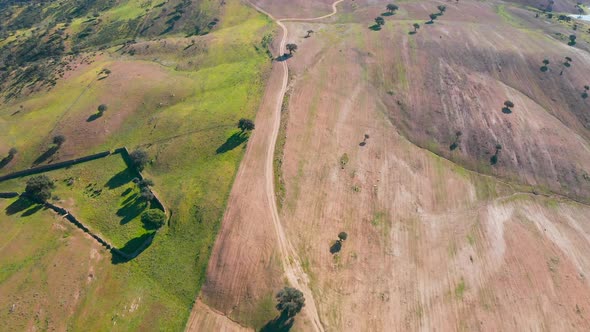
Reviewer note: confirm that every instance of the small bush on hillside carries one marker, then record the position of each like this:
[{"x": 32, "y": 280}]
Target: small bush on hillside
[
  {"x": 39, "y": 187},
  {"x": 102, "y": 108}
]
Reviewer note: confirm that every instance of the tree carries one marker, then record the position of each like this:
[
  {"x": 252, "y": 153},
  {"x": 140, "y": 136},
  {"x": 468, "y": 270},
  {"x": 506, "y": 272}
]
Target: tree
[
  {"x": 508, "y": 104},
  {"x": 572, "y": 40},
  {"x": 416, "y": 27},
  {"x": 153, "y": 218},
  {"x": 545, "y": 62},
  {"x": 139, "y": 158},
  {"x": 391, "y": 8},
  {"x": 342, "y": 236},
  {"x": 145, "y": 183},
  {"x": 441, "y": 9},
  {"x": 12, "y": 152},
  {"x": 309, "y": 32},
  {"x": 379, "y": 20},
  {"x": 432, "y": 18},
  {"x": 59, "y": 140},
  {"x": 39, "y": 187},
  {"x": 146, "y": 194},
  {"x": 246, "y": 124},
  {"x": 544, "y": 67},
  {"x": 290, "y": 301},
  {"x": 102, "y": 108},
  {"x": 291, "y": 48}
]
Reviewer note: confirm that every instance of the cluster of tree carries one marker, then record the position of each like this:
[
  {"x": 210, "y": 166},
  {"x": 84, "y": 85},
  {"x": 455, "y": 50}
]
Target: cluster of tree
[
  {"x": 145, "y": 191},
  {"x": 291, "y": 48},
  {"x": 441, "y": 11},
  {"x": 380, "y": 21},
  {"x": 290, "y": 301}
]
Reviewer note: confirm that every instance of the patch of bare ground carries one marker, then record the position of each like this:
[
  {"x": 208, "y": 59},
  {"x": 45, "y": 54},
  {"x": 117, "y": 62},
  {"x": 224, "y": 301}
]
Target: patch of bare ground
[
  {"x": 206, "y": 319},
  {"x": 431, "y": 245},
  {"x": 296, "y": 8}
]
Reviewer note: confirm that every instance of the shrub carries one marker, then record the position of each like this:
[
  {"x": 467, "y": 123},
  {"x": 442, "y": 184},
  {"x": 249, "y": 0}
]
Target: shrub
[
  {"x": 343, "y": 160},
  {"x": 39, "y": 187},
  {"x": 153, "y": 218},
  {"x": 290, "y": 301},
  {"x": 102, "y": 108}
]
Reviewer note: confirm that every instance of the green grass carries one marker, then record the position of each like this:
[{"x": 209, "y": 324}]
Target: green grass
[
  {"x": 114, "y": 213},
  {"x": 192, "y": 179}
]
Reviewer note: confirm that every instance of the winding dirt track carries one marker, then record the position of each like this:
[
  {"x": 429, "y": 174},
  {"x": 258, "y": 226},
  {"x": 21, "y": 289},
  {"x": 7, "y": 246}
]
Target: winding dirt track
[{"x": 290, "y": 261}]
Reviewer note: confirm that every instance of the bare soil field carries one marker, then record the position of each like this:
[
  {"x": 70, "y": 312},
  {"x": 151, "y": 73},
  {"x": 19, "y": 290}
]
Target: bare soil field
[{"x": 438, "y": 239}]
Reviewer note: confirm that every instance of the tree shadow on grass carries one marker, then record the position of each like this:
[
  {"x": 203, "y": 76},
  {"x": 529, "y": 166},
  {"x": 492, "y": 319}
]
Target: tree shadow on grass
[
  {"x": 412, "y": 33},
  {"x": 387, "y": 14},
  {"x": 6, "y": 160},
  {"x": 233, "y": 142},
  {"x": 129, "y": 199},
  {"x": 122, "y": 178},
  {"x": 375, "y": 27},
  {"x": 506, "y": 110},
  {"x": 32, "y": 211},
  {"x": 46, "y": 155},
  {"x": 93, "y": 117},
  {"x": 19, "y": 205},
  {"x": 281, "y": 323},
  {"x": 131, "y": 210},
  {"x": 131, "y": 247}
]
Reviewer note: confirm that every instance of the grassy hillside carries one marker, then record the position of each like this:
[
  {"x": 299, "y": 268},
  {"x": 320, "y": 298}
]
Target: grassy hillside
[{"x": 176, "y": 94}]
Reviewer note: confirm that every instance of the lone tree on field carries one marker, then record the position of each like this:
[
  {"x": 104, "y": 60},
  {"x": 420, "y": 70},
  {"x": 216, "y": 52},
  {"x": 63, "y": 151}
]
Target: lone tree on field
[
  {"x": 139, "y": 158},
  {"x": 508, "y": 105},
  {"x": 39, "y": 188},
  {"x": 309, "y": 32},
  {"x": 545, "y": 67},
  {"x": 441, "y": 9},
  {"x": 432, "y": 18},
  {"x": 59, "y": 140},
  {"x": 342, "y": 236},
  {"x": 416, "y": 27},
  {"x": 290, "y": 301},
  {"x": 291, "y": 48},
  {"x": 153, "y": 218},
  {"x": 585, "y": 93},
  {"x": 566, "y": 64},
  {"x": 246, "y": 124},
  {"x": 12, "y": 152},
  {"x": 379, "y": 20},
  {"x": 572, "y": 40},
  {"x": 102, "y": 108},
  {"x": 391, "y": 8}
]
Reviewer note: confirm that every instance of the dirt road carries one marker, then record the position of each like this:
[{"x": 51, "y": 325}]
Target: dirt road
[{"x": 291, "y": 263}]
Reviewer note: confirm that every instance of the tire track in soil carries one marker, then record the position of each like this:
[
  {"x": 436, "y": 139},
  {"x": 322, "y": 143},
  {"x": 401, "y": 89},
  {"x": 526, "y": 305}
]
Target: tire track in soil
[{"x": 290, "y": 260}]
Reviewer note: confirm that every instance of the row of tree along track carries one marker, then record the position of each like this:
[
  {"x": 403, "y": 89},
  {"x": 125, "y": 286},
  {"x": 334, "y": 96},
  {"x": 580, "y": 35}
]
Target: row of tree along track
[
  {"x": 290, "y": 261},
  {"x": 155, "y": 203}
]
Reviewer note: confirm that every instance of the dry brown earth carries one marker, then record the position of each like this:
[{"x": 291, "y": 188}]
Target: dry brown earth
[{"x": 432, "y": 245}]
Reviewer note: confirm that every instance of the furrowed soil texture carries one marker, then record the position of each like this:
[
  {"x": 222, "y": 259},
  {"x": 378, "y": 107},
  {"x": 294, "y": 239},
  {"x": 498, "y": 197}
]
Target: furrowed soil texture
[{"x": 441, "y": 234}]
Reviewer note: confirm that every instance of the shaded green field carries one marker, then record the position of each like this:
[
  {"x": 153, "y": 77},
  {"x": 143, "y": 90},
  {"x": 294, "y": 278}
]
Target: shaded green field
[{"x": 101, "y": 194}]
